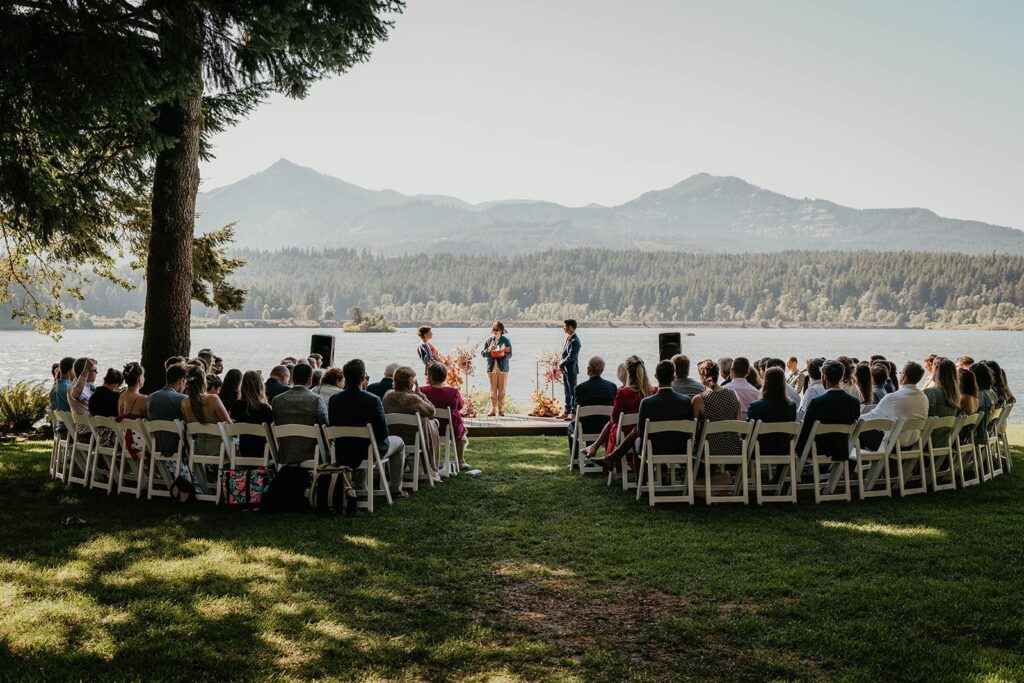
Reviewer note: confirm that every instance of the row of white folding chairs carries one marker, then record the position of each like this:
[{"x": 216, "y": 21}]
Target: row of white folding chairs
[
  {"x": 920, "y": 458},
  {"x": 78, "y": 457}
]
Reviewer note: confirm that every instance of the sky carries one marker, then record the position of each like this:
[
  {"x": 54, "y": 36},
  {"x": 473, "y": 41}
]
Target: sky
[{"x": 868, "y": 104}]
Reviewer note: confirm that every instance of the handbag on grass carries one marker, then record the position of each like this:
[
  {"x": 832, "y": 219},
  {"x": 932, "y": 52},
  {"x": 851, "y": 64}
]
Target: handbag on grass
[
  {"x": 245, "y": 486},
  {"x": 332, "y": 492}
]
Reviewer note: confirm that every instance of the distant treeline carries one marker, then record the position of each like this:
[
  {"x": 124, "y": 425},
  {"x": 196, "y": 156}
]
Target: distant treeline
[{"x": 884, "y": 288}]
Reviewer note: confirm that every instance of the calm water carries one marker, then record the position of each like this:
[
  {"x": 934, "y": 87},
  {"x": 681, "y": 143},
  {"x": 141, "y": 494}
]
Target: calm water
[{"x": 27, "y": 355}]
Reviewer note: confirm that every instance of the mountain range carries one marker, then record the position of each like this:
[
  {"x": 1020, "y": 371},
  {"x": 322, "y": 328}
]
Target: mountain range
[{"x": 287, "y": 205}]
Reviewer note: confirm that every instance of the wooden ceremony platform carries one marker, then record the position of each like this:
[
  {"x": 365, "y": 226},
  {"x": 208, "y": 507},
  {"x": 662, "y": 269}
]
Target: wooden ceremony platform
[{"x": 516, "y": 425}]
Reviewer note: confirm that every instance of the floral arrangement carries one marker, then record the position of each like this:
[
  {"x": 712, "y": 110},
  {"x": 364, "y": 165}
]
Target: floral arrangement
[
  {"x": 460, "y": 366},
  {"x": 553, "y": 368},
  {"x": 544, "y": 405}
]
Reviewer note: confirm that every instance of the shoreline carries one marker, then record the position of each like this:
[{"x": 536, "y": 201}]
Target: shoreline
[{"x": 683, "y": 326}]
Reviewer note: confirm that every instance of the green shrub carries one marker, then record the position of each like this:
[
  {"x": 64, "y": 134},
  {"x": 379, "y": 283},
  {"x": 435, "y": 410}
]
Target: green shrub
[{"x": 22, "y": 404}]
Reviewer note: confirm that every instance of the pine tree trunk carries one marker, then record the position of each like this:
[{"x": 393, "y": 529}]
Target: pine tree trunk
[{"x": 175, "y": 184}]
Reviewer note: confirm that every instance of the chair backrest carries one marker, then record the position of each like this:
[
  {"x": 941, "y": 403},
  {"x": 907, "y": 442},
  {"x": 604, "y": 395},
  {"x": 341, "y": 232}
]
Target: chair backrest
[
  {"x": 233, "y": 431},
  {"x": 686, "y": 430},
  {"x": 82, "y": 425},
  {"x": 741, "y": 427},
  {"x": 100, "y": 422},
  {"x": 627, "y": 420},
  {"x": 913, "y": 424},
  {"x": 591, "y": 411},
  {"x": 136, "y": 427},
  {"x": 153, "y": 428},
  {"x": 444, "y": 419},
  {"x": 405, "y": 420},
  {"x": 1005, "y": 416},
  {"x": 994, "y": 418},
  {"x": 194, "y": 429},
  {"x": 890, "y": 433},
  {"x": 967, "y": 425},
  {"x": 312, "y": 433},
  {"x": 792, "y": 428},
  {"x": 332, "y": 434},
  {"x": 934, "y": 425}
]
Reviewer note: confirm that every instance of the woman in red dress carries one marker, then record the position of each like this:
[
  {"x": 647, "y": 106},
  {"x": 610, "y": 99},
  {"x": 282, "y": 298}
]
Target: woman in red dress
[{"x": 627, "y": 401}]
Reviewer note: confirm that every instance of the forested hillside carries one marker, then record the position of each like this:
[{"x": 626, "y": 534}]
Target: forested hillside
[{"x": 892, "y": 289}]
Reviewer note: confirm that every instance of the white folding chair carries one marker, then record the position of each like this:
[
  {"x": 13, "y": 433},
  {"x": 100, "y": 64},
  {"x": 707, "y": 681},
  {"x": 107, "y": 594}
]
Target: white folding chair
[
  {"x": 449, "y": 464},
  {"x": 910, "y": 465},
  {"x": 1004, "y": 442},
  {"x": 103, "y": 473},
  {"x": 581, "y": 439},
  {"x": 677, "y": 487},
  {"x": 417, "y": 449},
  {"x": 373, "y": 464},
  {"x": 63, "y": 447},
  {"x": 136, "y": 469},
  {"x": 626, "y": 421},
  {"x": 236, "y": 430},
  {"x": 939, "y": 453},
  {"x": 58, "y": 442},
  {"x": 826, "y": 481},
  {"x": 160, "y": 460},
  {"x": 311, "y": 433},
  {"x": 82, "y": 442},
  {"x": 739, "y": 491},
  {"x": 873, "y": 465},
  {"x": 967, "y": 455},
  {"x": 992, "y": 457},
  {"x": 198, "y": 463},
  {"x": 784, "y": 464}
]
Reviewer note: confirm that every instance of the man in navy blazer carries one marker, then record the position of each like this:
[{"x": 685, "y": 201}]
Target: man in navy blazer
[
  {"x": 570, "y": 367},
  {"x": 835, "y": 406},
  {"x": 355, "y": 407},
  {"x": 595, "y": 391}
]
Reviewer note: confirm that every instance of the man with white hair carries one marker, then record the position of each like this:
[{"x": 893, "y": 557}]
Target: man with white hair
[
  {"x": 382, "y": 387},
  {"x": 595, "y": 391}
]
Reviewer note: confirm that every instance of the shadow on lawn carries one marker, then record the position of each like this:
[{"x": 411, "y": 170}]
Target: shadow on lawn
[{"x": 525, "y": 570}]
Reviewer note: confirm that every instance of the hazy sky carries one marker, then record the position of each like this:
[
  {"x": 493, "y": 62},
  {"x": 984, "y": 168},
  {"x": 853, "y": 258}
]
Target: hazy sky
[{"x": 869, "y": 104}]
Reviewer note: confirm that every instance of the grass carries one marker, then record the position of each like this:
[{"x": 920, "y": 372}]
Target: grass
[{"x": 526, "y": 572}]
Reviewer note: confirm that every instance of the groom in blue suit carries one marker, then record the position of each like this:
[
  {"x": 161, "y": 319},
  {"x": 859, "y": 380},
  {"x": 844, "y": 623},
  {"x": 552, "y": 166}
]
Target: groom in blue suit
[{"x": 570, "y": 367}]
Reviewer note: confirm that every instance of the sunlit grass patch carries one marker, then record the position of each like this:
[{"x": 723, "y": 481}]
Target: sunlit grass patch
[{"x": 885, "y": 529}]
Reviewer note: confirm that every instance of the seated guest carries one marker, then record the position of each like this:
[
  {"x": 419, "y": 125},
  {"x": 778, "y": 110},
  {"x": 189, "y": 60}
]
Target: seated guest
[
  {"x": 907, "y": 402},
  {"x": 717, "y": 404},
  {"x": 330, "y": 383},
  {"x": 773, "y": 406},
  {"x": 999, "y": 385},
  {"x": 894, "y": 382},
  {"x": 683, "y": 383},
  {"x": 663, "y": 405},
  {"x": 986, "y": 399},
  {"x": 165, "y": 404},
  {"x": 252, "y": 407},
  {"x": 407, "y": 399},
  {"x": 791, "y": 392},
  {"x": 815, "y": 387},
  {"x": 929, "y": 369},
  {"x": 81, "y": 389},
  {"x": 316, "y": 360},
  {"x": 848, "y": 381},
  {"x": 744, "y": 390},
  {"x": 725, "y": 369},
  {"x": 131, "y": 405},
  {"x": 278, "y": 382},
  {"x": 218, "y": 366},
  {"x": 968, "y": 391},
  {"x": 594, "y": 391},
  {"x": 298, "y": 406},
  {"x": 448, "y": 397},
  {"x": 230, "y": 390},
  {"x": 386, "y": 384},
  {"x": 865, "y": 388},
  {"x": 355, "y": 407},
  {"x": 794, "y": 377},
  {"x": 203, "y": 407},
  {"x": 879, "y": 379},
  {"x": 214, "y": 384},
  {"x": 627, "y": 402},
  {"x": 964, "y": 362},
  {"x": 835, "y": 406},
  {"x": 103, "y": 403},
  {"x": 943, "y": 396},
  {"x": 59, "y": 392}
]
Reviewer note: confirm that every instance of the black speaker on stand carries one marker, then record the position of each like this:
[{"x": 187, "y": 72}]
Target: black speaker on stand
[
  {"x": 324, "y": 345},
  {"x": 669, "y": 344}
]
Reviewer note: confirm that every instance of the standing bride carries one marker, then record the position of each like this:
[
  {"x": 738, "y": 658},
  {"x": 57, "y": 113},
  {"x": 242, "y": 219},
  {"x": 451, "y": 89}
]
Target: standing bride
[{"x": 497, "y": 350}]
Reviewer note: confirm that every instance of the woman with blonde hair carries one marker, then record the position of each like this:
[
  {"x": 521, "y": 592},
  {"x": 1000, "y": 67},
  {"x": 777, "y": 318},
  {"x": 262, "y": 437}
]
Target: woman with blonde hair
[{"x": 627, "y": 401}]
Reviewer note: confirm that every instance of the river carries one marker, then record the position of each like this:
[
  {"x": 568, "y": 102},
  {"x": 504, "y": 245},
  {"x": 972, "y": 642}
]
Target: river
[{"x": 27, "y": 355}]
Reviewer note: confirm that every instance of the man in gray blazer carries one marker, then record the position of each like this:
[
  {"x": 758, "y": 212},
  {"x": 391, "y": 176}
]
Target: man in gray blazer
[
  {"x": 298, "y": 406},
  {"x": 165, "y": 404}
]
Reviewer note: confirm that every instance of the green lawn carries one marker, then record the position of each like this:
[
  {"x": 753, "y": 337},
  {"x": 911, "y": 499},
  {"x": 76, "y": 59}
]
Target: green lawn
[{"x": 527, "y": 572}]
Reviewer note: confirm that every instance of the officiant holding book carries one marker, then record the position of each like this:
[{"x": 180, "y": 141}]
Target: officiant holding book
[{"x": 497, "y": 350}]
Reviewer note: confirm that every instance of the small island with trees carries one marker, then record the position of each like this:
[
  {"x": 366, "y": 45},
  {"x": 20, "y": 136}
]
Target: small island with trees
[{"x": 362, "y": 322}]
